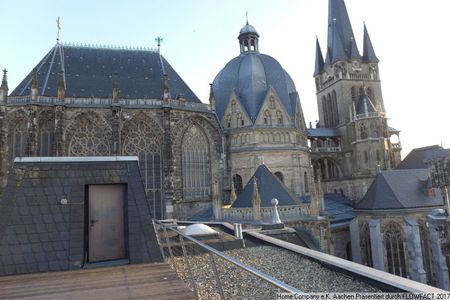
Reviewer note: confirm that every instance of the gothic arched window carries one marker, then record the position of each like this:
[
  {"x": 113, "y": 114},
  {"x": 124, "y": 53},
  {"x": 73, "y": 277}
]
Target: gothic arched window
[
  {"x": 354, "y": 94},
  {"x": 395, "y": 252},
  {"x": 143, "y": 139},
  {"x": 89, "y": 139},
  {"x": 267, "y": 119},
  {"x": 279, "y": 118},
  {"x": 374, "y": 129},
  {"x": 334, "y": 110},
  {"x": 426, "y": 255},
  {"x": 18, "y": 139},
  {"x": 272, "y": 102},
  {"x": 46, "y": 137},
  {"x": 363, "y": 131},
  {"x": 366, "y": 250},
  {"x": 233, "y": 106},
  {"x": 237, "y": 181},
  {"x": 196, "y": 164}
]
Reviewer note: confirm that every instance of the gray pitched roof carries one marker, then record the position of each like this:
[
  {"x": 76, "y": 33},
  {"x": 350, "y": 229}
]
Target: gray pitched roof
[
  {"x": 400, "y": 189},
  {"x": 341, "y": 43},
  {"x": 88, "y": 72},
  {"x": 416, "y": 158},
  {"x": 339, "y": 207},
  {"x": 322, "y": 132},
  {"x": 368, "y": 52},
  {"x": 269, "y": 187}
]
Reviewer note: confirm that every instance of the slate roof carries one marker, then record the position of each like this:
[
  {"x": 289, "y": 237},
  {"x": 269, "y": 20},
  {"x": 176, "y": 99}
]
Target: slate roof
[
  {"x": 400, "y": 189},
  {"x": 39, "y": 234},
  {"x": 251, "y": 75},
  {"x": 269, "y": 187},
  {"x": 416, "y": 158},
  {"x": 322, "y": 132},
  {"x": 337, "y": 206},
  {"x": 88, "y": 72}
]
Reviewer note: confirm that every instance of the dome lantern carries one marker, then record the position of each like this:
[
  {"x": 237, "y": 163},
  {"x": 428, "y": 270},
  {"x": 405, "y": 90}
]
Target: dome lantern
[{"x": 248, "y": 39}]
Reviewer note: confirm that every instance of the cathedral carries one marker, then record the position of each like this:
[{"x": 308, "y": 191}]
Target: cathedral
[
  {"x": 99, "y": 101},
  {"x": 249, "y": 141}
]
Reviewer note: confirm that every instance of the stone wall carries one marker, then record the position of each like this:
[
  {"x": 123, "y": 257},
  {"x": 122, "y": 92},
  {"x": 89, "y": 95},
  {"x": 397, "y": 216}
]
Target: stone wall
[{"x": 105, "y": 128}]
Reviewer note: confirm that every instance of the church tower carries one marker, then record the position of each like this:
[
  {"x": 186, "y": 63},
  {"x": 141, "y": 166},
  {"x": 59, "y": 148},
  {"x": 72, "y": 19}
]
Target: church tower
[{"x": 352, "y": 138}]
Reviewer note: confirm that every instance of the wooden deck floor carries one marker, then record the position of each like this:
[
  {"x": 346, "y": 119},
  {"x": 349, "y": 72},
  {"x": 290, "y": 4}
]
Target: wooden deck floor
[{"x": 147, "y": 281}]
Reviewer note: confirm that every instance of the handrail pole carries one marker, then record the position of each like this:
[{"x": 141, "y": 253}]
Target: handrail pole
[
  {"x": 170, "y": 250},
  {"x": 216, "y": 274},
  {"x": 188, "y": 266},
  {"x": 249, "y": 269}
]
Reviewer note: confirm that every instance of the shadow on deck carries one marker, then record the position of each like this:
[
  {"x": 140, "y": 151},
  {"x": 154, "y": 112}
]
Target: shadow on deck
[{"x": 148, "y": 281}]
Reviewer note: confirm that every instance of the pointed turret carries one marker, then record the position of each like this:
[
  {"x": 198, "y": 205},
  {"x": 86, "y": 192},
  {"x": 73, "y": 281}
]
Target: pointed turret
[
  {"x": 256, "y": 201},
  {"x": 319, "y": 59},
  {"x": 166, "y": 90},
  {"x": 368, "y": 52},
  {"x": 4, "y": 86},
  {"x": 115, "y": 92},
  {"x": 354, "y": 53},
  {"x": 34, "y": 85},
  {"x": 341, "y": 44},
  {"x": 365, "y": 105},
  {"x": 212, "y": 98},
  {"x": 61, "y": 86}
]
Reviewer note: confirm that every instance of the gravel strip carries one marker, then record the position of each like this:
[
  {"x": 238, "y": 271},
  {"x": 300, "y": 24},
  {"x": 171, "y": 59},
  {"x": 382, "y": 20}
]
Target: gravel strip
[{"x": 289, "y": 267}]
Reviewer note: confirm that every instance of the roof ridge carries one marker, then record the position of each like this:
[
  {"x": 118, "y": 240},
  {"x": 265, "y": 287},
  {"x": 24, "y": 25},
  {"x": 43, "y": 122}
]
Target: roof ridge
[{"x": 108, "y": 47}]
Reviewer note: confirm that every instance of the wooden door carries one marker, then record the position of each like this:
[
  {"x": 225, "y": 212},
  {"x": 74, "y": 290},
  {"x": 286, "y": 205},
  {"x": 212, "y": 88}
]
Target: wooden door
[{"x": 106, "y": 222}]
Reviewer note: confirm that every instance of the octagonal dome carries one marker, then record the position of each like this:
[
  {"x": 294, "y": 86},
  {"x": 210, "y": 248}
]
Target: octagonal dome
[{"x": 250, "y": 76}]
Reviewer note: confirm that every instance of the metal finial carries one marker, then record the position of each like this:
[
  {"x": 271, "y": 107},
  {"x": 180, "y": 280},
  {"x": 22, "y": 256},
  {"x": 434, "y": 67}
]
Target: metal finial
[
  {"x": 158, "y": 39},
  {"x": 246, "y": 16},
  {"x": 58, "y": 29}
]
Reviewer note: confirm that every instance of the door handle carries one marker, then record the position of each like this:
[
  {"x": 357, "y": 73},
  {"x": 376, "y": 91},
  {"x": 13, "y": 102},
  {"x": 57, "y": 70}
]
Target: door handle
[{"x": 93, "y": 221}]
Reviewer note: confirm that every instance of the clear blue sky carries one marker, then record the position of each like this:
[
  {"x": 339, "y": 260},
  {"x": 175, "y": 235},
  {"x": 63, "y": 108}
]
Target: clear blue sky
[{"x": 411, "y": 38}]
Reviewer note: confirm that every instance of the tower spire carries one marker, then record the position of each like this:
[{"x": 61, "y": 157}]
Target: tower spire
[
  {"x": 4, "y": 86},
  {"x": 212, "y": 98},
  {"x": 368, "y": 52},
  {"x": 340, "y": 33},
  {"x": 319, "y": 59}
]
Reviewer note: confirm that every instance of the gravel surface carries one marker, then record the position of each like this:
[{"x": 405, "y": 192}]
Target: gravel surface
[{"x": 289, "y": 267}]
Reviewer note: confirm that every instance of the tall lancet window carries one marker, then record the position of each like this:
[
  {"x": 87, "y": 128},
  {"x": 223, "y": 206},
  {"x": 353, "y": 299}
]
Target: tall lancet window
[
  {"x": 143, "y": 139},
  {"x": 366, "y": 248},
  {"x": 46, "y": 137},
  {"x": 395, "y": 252},
  {"x": 196, "y": 164},
  {"x": 18, "y": 139}
]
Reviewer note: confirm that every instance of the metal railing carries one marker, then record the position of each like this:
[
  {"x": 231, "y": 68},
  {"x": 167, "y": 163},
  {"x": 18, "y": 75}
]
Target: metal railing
[{"x": 211, "y": 274}]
